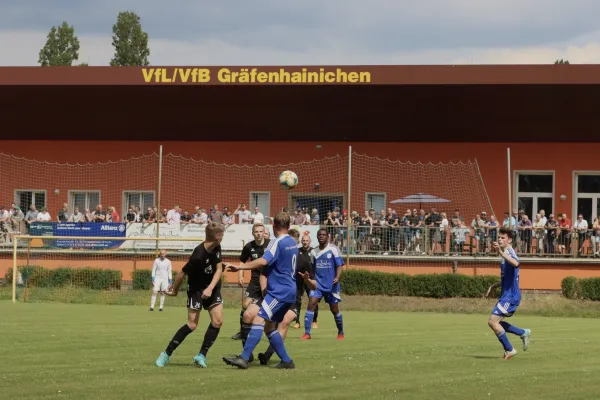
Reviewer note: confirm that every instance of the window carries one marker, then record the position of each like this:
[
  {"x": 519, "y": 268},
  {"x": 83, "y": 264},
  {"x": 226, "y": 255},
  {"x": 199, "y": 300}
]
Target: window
[
  {"x": 25, "y": 198},
  {"x": 262, "y": 200},
  {"x": 141, "y": 199},
  {"x": 534, "y": 192},
  {"x": 83, "y": 200},
  {"x": 376, "y": 201},
  {"x": 587, "y": 195}
]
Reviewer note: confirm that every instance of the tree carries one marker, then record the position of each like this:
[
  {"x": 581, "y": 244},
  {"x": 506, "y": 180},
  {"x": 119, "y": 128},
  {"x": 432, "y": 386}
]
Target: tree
[
  {"x": 130, "y": 41},
  {"x": 61, "y": 48},
  {"x": 561, "y": 61},
  {"x": 83, "y": 65}
]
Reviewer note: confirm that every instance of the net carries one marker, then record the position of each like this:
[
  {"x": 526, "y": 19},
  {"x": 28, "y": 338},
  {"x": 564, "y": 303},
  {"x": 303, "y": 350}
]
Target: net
[{"x": 362, "y": 201}]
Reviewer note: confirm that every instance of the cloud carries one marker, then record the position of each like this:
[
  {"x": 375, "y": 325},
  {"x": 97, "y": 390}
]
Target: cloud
[{"x": 313, "y": 32}]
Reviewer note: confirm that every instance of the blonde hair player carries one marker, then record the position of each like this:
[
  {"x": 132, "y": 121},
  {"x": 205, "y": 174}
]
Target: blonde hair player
[
  {"x": 162, "y": 278},
  {"x": 203, "y": 270}
]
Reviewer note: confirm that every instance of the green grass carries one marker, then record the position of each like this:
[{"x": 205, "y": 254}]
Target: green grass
[{"x": 79, "y": 351}]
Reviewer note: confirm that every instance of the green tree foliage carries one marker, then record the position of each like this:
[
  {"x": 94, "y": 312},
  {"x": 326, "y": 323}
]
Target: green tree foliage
[
  {"x": 561, "y": 61},
  {"x": 61, "y": 48},
  {"x": 130, "y": 41}
]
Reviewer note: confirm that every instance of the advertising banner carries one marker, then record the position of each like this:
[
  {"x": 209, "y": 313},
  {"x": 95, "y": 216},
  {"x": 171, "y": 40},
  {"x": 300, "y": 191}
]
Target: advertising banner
[{"x": 82, "y": 229}]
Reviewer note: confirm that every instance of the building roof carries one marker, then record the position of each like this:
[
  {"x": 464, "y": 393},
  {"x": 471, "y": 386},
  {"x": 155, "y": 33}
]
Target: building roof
[{"x": 384, "y": 103}]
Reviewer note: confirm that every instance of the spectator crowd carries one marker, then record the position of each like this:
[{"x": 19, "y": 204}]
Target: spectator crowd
[{"x": 416, "y": 232}]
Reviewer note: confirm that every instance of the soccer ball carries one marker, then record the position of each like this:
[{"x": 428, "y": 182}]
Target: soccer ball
[{"x": 288, "y": 180}]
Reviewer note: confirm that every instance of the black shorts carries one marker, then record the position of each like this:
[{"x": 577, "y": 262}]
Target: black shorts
[
  {"x": 295, "y": 308},
  {"x": 196, "y": 302},
  {"x": 253, "y": 291}
]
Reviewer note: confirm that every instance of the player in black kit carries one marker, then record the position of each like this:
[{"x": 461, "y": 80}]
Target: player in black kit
[
  {"x": 304, "y": 251},
  {"x": 305, "y": 278},
  {"x": 204, "y": 270},
  {"x": 251, "y": 251}
]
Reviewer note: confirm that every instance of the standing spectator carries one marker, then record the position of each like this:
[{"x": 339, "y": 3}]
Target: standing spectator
[
  {"x": 228, "y": 217},
  {"x": 478, "y": 226},
  {"x": 580, "y": 228},
  {"x": 216, "y": 215},
  {"x": 552, "y": 228},
  {"x": 162, "y": 217},
  {"x": 539, "y": 228},
  {"x": 459, "y": 233},
  {"x": 200, "y": 217},
  {"x": 243, "y": 214},
  {"x": 564, "y": 238},
  {"x": 77, "y": 216},
  {"x": 257, "y": 217},
  {"x": 491, "y": 229},
  {"x": 444, "y": 226},
  {"x": 131, "y": 215},
  {"x": 4, "y": 222},
  {"x": 314, "y": 217},
  {"x": 31, "y": 215},
  {"x": 174, "y": 216},
  {"x": 299, "y": 218},
  {"x": 112, "y": 215},
  {"x": 186, "y": 218},
  {"x": 525, "y": 229},
  {"x": 88, "y": 215},
  {"x": 99, "y": 214},
  {"x": 150, "y": 216},
  {"x": 595, "y": 239},
  {"x": 457, "y": 219},
  {"x": 44, "y": 215},
  {"x": 433, "y": 222},
  {"x": 63, "y": 214},
  {"x": 17, "y": 220}
]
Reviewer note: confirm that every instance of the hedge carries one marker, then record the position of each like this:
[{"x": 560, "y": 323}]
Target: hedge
[
  {"x": 587, "y": 288},
  {"x": 369, "y": 283},
  {"x": 87, "y": 277},
  {"x": 142, "y": 279}
]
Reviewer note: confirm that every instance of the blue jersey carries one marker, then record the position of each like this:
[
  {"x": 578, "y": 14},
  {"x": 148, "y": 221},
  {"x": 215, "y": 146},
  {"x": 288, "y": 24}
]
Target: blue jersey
[
  {"x": 281, "y": 256},
  {"x": 325, "y": 265},
  {"x": 510, "y": 279}
]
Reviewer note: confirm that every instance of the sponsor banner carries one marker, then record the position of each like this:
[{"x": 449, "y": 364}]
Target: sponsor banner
[
  {"x": 236, "y": 235},
  {"x": 83, "y": 229}
]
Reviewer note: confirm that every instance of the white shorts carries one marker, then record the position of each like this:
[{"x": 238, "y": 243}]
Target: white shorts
[{"x": 161, "y": 285}]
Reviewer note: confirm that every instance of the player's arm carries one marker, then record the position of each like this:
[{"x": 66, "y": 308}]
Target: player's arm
[
  {"x": 491, "y": 289},
  {"x": 154, "y": 267},
  {"x": 170, "y": 269},
  {"x": 243, "y": 258},
  {"x": 177, "y": 284},
  {"x": 508, "y": 256},
  {"x": 263, "y": 283},
  {"x": 309, "y": 279},
  {"x": 215, "y": 281},
  {"x": 255, "y": 264},
  {"x": 339, "y": 265}
]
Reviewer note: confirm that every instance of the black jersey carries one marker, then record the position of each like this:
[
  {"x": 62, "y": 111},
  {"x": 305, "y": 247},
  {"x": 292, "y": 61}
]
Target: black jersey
[
  {"x": 304, "y": 264},
  {"x": 251, "y": 252},
  {"x": 201, "y": 267}
]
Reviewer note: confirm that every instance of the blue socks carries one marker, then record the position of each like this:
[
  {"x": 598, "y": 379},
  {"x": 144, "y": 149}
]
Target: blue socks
[
  {"x": 339, "y": 322},
  {"x": 505, "y": 342},
  {"x": 277, "y": 343},
  {"x": 253, "y": 339},
  {"x": 308, "y": 321},
  {"x": 512, "y": 329}
]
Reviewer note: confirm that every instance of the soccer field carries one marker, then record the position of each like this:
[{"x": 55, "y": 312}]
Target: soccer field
[{"x": 66, "y": 351}]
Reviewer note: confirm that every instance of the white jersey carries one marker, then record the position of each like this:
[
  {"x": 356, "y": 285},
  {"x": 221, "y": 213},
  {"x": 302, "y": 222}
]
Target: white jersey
[{"x": 162, "y": 269}]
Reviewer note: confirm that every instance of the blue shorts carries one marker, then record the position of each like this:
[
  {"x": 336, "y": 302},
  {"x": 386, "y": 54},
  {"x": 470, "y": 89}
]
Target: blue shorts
[
  {"x": 272, "y": 309},
  {"x": 504, "y": 309},
  {"x": 330, "y": 297}
]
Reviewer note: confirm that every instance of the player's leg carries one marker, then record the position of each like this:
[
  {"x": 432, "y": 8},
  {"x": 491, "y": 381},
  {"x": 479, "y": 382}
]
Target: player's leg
[
  {"x": 155, "y": 290},
  {"x": 524, "y": 334},
  {"x": 282, "y": 328},
  {"x": 247, "y": 301},
  {"x": 212, "y": 332},
  {"x": 494, "y": 324},
  {"x": 181, "y": 334},
  {"x": 316, "y": 311},
  {"x": 313, "y": 300},
  {"x": 504, "y": 310},
  {"x": 333, "y": 299},
  {"x": 164, "y": 285}
]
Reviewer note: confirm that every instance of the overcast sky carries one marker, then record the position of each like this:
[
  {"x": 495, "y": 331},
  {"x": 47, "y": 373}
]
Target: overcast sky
[{"x": 311, "y": 32}]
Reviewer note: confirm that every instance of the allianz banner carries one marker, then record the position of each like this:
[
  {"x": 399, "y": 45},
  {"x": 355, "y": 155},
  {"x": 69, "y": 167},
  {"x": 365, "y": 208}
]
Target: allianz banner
[
  {"x": 236, "y": 235},
  {"x": 80, "y": 229}
]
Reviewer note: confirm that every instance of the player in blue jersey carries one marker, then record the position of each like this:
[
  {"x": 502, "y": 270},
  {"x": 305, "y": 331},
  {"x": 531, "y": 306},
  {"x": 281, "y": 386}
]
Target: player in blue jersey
[
  {"x": 327, "y": 267},
  {"x": 510, "y": 297},
  {"x": 279, "y": 262}
]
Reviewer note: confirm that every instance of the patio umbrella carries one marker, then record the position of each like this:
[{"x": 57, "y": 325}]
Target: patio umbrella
[{"x": 420, "y": 198}]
